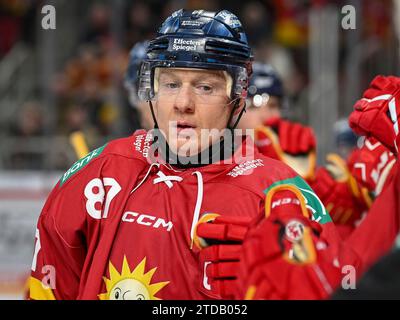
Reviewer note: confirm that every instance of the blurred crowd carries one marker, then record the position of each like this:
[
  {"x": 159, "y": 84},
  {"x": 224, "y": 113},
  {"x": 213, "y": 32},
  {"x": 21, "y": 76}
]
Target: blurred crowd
[{"x": 88, "y": 86}]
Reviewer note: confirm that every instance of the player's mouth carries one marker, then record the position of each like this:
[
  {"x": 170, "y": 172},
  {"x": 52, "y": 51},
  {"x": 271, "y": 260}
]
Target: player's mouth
[{"x": 184, "y": 126}]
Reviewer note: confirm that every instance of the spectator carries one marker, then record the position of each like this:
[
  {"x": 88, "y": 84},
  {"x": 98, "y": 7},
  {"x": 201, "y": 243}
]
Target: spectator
[{"x": 29, "y": 124}]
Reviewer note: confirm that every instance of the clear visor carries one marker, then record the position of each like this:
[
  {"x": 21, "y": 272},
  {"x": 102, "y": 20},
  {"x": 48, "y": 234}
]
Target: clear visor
[
  {"x": 203, "y": 86},
  {"x": 200, "y": 85}
]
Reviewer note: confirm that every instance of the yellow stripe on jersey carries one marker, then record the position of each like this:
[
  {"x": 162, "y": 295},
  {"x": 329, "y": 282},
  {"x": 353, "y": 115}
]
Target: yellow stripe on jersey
[{"x": 37, "y": 291}]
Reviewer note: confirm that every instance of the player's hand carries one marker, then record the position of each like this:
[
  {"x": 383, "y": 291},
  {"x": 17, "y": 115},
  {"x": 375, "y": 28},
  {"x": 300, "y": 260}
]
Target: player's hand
[
  {"x": 377, "y": 113},
  {"x": 289, "y": 142},
  {"x": 294, "y": 138},
  {"x": 372, "y": 166},
  {"x": 285, "y": 259},
  {"x": 286, "y": 255},
  {"x": 339, "y": 192},
  {"x": 220, "y": 240}
]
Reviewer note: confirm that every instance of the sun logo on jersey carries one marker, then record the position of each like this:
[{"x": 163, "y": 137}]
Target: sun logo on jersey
[{"x": 131, "y": 285}]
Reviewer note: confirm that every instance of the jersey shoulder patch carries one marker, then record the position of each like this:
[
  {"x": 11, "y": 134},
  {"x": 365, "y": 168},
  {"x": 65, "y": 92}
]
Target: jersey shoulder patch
[{"x": 78, "y": 165}]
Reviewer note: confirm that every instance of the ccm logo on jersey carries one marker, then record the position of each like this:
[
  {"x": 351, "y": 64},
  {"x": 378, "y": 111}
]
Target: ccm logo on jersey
[{"x": 147, "y": 220}]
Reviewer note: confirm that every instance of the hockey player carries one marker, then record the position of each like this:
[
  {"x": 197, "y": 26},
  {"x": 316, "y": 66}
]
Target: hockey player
[
  {"x": 376, "y": 116},
  {"x": 295, "y": 145},
  {"x": 129, "y": 221},
  {"x": 136, "y": 56},
  {"x": 276, "y": 137},
  {"x": 300, "y": 255},
  {"x": 348, "y": 187}
]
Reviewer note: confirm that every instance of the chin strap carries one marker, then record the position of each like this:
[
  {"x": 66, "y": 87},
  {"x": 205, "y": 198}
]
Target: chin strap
[
  {"x": 237, "y": 105},
  {"x": 153, "y": 115}
]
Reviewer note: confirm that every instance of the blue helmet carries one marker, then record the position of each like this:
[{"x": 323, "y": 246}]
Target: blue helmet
[
  {"x": 264, "y": 81},
  {"x": 136, "y": 57},
  {"x": 344, "y": 136},
  {"x": 199, "y": 39}
]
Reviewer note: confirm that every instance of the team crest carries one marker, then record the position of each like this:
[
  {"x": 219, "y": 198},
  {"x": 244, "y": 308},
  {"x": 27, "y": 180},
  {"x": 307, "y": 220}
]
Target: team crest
[
  {"x": 302, "y": 249},
  {"x": 294, "y": 231}
]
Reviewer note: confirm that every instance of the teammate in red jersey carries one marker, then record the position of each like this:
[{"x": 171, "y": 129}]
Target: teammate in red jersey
[
  {"x": 125, "y": 222},
  {"x": 348, "y": 186},
  {"x": 302, "y": 254},
  {"x": 376, "y": 116},
  {"x": 276, "y": 137},
  {"x": 295, "y": 145}
]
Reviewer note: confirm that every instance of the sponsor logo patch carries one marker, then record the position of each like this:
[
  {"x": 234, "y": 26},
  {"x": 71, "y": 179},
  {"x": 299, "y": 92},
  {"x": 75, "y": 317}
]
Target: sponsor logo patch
[
  {"x": 77, "y": 166},
  {"x": 245, "y": 168},
  {"x": 147, "y": 220},
  {"x": 180, "y": 44},
  {"x": 142, "y": 143}
]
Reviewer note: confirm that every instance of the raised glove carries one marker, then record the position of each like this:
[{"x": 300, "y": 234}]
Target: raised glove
[
  {"x": 341, "y": 195},
  {"x": 372, "y": 165},
  {"x": 289, "y": 142},
  {"x": 376, "y": 114}
]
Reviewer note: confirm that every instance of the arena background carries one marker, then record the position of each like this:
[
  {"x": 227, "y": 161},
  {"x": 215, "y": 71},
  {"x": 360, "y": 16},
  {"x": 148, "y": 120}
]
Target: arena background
[{"x": 56, "y": 82}]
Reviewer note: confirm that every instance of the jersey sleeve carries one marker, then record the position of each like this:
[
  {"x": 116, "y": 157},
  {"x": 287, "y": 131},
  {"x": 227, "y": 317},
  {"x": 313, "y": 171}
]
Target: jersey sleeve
[
  {"x": 285, "y": 202},
  {"x": 376, "y": 233},
  {"x": 59, "y": 249},
  {"x": 70, "y": 226},
  {"x": 61, "y": 233}
]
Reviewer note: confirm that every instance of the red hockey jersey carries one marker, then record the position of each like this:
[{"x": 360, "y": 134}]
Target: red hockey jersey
[{"x": 119, "y": 226}]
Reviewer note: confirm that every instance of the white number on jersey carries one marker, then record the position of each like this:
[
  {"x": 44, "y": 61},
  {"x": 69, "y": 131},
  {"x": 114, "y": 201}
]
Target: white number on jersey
[
  {"x": 37, "y": 249},
  {"x": 95, "y": 192}
]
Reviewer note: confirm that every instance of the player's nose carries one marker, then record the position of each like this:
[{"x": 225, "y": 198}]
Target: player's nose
[{"x": 184, "y": 101}]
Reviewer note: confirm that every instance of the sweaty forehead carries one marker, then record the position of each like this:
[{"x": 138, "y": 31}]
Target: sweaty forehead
[{"x": 192, "y": 73}]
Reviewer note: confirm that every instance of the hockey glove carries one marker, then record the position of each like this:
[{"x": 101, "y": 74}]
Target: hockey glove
[
  {"x": 220, "y": 240},
  {"x": 377, "y": 113}
]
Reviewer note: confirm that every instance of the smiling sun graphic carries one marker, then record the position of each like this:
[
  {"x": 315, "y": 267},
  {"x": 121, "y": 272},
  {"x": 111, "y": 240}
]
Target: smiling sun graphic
[{"x": 131, "y": 285}]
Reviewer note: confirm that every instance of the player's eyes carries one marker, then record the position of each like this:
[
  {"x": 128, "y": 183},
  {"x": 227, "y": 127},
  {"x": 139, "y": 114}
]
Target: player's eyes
[
  {"x": 204, "y": 89},
  {"x": 171, "y": 85}
]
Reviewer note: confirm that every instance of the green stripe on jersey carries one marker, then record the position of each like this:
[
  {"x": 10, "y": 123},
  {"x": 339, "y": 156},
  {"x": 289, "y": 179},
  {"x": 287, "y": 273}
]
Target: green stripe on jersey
[
  {"x": 80, "y": 164},
  {"x": 313, "y": 203}
]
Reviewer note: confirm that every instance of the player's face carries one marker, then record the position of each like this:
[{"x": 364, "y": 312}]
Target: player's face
[
  {"x": 189, "y": 103},
  {"x": 255, "y": 117}
]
